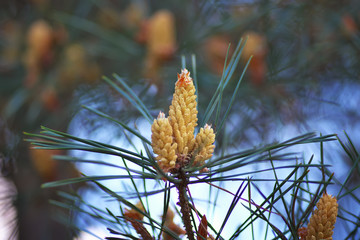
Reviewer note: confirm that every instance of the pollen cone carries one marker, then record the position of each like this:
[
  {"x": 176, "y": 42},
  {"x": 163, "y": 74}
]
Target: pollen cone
[
  {"x": 323, "y": 219},
  {"x": 162, "y": 142},
  {"x": 183, "y": 113}
]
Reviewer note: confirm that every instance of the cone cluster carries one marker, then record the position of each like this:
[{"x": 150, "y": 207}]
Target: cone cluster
[{"x": 173, "y": 138}]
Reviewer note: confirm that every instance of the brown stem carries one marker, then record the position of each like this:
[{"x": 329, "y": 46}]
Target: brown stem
[{"x": 184, "y": 204}]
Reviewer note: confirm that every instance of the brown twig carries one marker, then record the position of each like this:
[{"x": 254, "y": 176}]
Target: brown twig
[{"x": 184, "y": 204}]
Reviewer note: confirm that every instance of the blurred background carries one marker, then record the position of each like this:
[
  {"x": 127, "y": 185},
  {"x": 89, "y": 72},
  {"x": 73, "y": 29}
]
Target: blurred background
[{"x": 304, "y": 76}]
